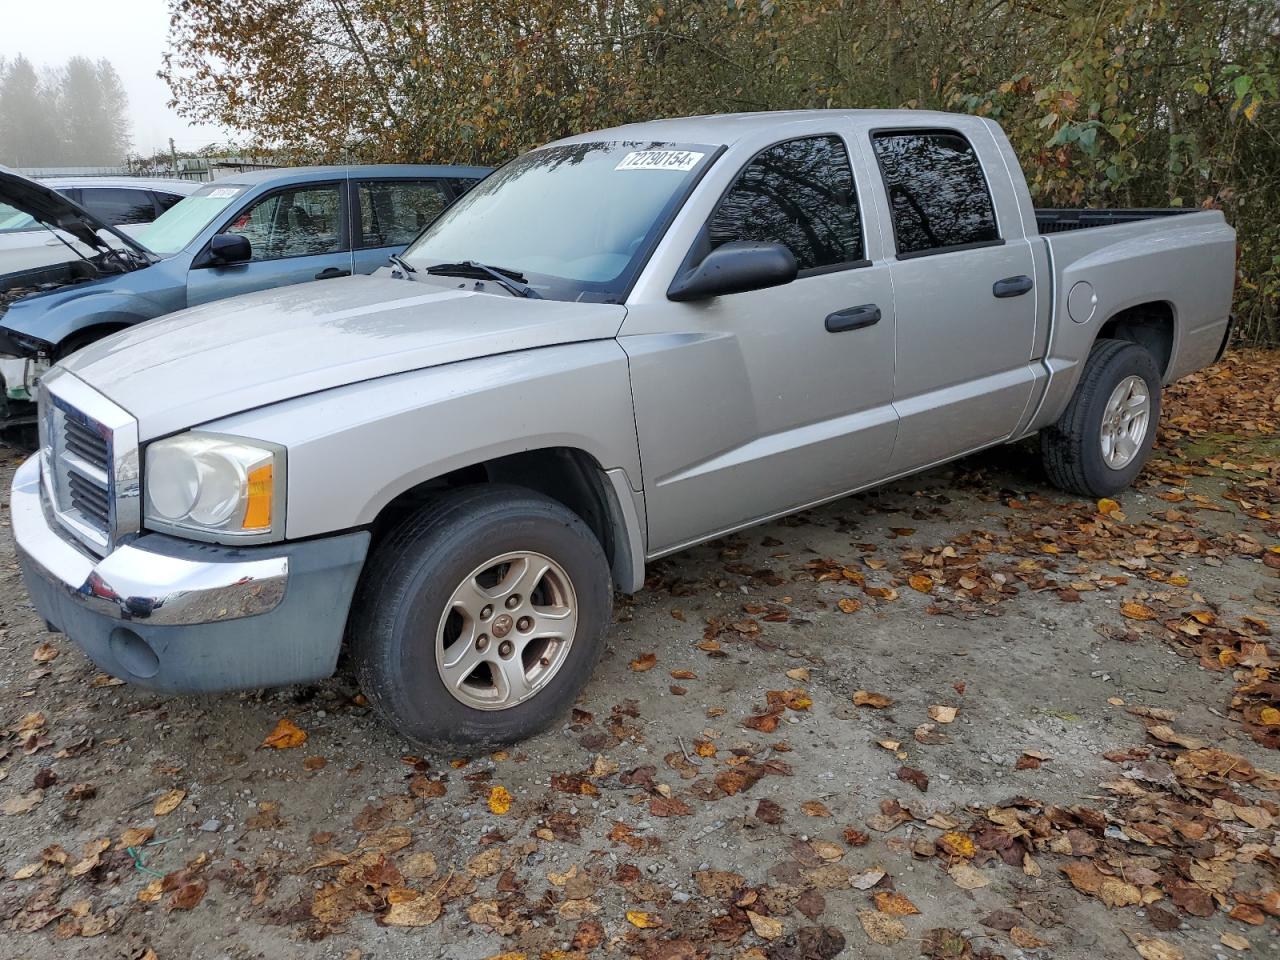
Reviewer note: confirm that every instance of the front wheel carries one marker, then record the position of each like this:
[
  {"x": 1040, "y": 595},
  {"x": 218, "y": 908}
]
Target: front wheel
[
  {"x": 480, "y": 618},
  {"x": 1102, "y": 440}
]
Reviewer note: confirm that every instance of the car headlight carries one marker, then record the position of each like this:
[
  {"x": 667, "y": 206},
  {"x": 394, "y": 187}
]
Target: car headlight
[{"x": 212, "y": 487}]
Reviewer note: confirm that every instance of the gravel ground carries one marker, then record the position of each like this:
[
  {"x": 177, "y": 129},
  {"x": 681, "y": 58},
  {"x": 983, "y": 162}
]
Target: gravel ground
[{"x": 1026, "y": 669}]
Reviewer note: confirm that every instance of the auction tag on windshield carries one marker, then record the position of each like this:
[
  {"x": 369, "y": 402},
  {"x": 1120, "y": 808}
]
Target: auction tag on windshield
[
  {"x": 683, "y": 160},
  {"x": 223, "y": 193}
]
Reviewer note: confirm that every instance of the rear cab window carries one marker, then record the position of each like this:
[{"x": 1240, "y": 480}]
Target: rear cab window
[
  {"x": 799, "y": 193},
  {"x": 938, "y": 193}
]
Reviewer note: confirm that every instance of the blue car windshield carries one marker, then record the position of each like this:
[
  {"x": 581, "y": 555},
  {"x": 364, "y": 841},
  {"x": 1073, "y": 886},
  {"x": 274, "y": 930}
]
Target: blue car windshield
[
  {"x": 576, "y": 220},
  {"x": 184, "y": 221}
]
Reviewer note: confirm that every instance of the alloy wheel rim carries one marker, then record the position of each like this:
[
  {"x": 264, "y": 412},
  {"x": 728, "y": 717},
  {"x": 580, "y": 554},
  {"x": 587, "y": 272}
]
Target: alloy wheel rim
[
  {"x": 1124, "y": 422},
  {"x": 506, "y": 630}
]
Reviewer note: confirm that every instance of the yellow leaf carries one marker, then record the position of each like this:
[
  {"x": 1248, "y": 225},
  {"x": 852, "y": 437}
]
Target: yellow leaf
[
  {"x": 895, "y": 904},
  {"x": 287, "y": 734},
  {"x": 1107, "y": 506},
  {"x": 957, "y": 845},
  {"x": 169, "y": 802},
  {"x": 1269, "y": 717},
  {"x": 942, "y": 714},
  {"x": 766, "y": 928},
  {"x": 877, "y": 701},
  {"x": 645, "y": 921},
  {"x": 1137, "y": 611},
  {"x": 850, "y": 605},
  {"x": 920, "y": 583},
  {"x": 499, "y": 800}
]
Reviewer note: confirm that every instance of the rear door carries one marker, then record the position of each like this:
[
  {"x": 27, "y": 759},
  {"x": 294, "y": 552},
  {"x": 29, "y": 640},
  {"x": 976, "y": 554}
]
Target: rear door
[
  {"x": 963, "y": 292},
  {"x": 388, "y": 214},
  {"x": 297, "y": 233}
]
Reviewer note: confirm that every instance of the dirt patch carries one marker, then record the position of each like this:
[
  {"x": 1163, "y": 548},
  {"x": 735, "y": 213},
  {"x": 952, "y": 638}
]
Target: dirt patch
[{"x": 1061, "y": 750}]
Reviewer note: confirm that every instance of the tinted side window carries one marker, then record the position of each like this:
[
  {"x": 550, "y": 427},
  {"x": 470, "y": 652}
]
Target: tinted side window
[
  {"x": 116, "y": 206},
  {"x": 393, "y": 212},
  {"x": 936, "y": 188},
  {"x": 299, "y": 222},
  {"x": 799, "y": 193},
  {"x": 167, "y": 200}
]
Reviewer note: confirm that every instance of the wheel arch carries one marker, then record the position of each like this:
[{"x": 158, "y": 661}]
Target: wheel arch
[
  {"x": 1152, "y": 325},
  {"x": 602, "y": 499}
]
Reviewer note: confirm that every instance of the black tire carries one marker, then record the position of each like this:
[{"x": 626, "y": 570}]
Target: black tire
[
  {"x": 410, "y": 578},
  {"x": 1071, "y": 449}
]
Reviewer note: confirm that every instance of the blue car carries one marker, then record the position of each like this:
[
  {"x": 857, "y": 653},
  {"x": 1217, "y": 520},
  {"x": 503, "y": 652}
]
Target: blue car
[{"x": 242, "y": 233}]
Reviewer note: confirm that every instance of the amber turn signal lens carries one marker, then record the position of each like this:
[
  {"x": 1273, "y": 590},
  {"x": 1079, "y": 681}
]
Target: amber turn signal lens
[{"x": 257, "y": 511}]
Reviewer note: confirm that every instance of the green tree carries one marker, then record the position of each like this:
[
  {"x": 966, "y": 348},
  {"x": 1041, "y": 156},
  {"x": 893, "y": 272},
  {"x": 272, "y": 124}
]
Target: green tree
[
  {"x": 29, "y": 134},
  {"x": 93, "y": 113}
]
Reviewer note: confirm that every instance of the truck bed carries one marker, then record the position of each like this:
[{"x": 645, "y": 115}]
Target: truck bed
[{"x": 1062, "y": 219}]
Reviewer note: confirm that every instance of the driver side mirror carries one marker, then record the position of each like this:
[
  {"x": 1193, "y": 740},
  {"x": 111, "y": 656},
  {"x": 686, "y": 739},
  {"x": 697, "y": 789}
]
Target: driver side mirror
[
  {"x": 735, "y": 268},
  {"x": 230, "y": 248}
]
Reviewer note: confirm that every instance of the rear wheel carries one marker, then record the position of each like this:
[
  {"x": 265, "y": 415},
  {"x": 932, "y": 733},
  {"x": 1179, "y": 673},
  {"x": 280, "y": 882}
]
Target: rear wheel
[
  {"x": 1103, "y": 438},
  {"x": 481, "y": 617}
]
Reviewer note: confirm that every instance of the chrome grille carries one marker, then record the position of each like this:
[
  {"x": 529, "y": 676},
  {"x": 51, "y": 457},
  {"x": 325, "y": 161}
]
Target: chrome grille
[{"x": 88, "y": 459}]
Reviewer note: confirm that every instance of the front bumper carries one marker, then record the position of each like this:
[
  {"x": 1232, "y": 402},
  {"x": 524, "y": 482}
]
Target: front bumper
[{"x": 185, "y": 617}]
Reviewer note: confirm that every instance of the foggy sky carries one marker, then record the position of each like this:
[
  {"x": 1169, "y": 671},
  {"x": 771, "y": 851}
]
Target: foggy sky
[{"x": 129, "y": 33}]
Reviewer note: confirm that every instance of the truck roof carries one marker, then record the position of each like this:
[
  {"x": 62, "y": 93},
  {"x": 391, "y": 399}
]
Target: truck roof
[{"x": 727, "y": 128}]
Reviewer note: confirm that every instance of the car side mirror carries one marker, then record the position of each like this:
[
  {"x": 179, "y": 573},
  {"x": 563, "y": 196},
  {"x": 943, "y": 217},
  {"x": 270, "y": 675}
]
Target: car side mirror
[
  {"x": 735, "y": 268},
  {"x": 230, "y": 248}
]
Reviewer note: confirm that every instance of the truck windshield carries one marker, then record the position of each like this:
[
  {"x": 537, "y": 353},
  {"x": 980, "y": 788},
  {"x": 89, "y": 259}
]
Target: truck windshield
[
  {"x": 183, "y": 222},
  {"x": 576, "y": 221}
]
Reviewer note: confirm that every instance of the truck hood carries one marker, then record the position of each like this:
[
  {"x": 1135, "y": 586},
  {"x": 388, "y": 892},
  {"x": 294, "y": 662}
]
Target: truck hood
[
  {"x": 45, "y": 205},
  {"x": 233, "y": 355}
]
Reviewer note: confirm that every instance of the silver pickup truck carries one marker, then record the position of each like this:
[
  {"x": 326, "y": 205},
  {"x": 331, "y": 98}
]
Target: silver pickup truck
[{"x": 618, "y": 345}]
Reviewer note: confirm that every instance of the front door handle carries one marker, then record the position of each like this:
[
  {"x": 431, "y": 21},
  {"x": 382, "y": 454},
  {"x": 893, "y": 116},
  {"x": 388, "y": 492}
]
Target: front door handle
[
  {"x": 853, "y": 318},
  {"x": 329, "y": 273},
  {"x": 1012, "y": 287}
]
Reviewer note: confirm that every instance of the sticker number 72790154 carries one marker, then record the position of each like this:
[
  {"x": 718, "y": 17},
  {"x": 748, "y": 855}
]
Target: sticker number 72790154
[{"x": 681, "y": 160}]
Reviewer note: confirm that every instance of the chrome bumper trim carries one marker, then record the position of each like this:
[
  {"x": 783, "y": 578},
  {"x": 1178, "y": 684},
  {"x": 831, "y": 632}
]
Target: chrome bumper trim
[{"x": 131, "y": 583}]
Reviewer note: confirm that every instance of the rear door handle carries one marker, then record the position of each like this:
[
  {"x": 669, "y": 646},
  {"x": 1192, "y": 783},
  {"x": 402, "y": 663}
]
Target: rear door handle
[
  {"x": 853, "y": 318},
  {"x": 329, "y": 273},
  {"x": 1012, "y": 287}
]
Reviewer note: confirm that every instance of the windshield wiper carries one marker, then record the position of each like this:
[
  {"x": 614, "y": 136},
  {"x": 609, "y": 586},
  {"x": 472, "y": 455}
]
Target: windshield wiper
[
  {"x": 511, "y": 280},
  {"x": 402, "y": 263}
]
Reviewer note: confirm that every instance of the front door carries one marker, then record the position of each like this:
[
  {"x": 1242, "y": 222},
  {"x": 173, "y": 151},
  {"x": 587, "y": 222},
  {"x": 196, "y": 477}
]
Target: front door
[
  {"x": 963, "y": 296},
  {"x": 750, "y": 405},
  {"x": 296, "y": 234}
]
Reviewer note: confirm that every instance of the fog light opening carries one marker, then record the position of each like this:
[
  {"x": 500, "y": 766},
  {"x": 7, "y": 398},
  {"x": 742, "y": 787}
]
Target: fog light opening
[{"x": 134, "y": 654}]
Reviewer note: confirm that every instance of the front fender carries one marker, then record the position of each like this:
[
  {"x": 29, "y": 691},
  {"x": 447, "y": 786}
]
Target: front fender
[
  {"x": 353, "y": 449},
  {"x": 51, "y": 318}
]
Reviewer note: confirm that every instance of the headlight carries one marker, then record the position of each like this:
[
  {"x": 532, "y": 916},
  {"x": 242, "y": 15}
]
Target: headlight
[{"x": 215, "y": 488}]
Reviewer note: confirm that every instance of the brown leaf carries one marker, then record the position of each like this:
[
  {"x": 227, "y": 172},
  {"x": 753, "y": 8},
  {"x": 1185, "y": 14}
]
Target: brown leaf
[
  {"x": 941, "y": 714},
  {"x": 916, "y": 778},
  {"x": 644, "y": 662},
  {"x": 187, "y": 896},
  {"x": 814, "y": 808},
  {"x": 669, "y": 807},
  {"x": 1024, "y": 938}
]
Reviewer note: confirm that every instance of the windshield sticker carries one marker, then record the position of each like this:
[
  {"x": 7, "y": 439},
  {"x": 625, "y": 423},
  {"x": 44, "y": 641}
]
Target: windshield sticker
[
  {"x": 681, "y": 160},
  {"x": 223, "y": 193}
]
